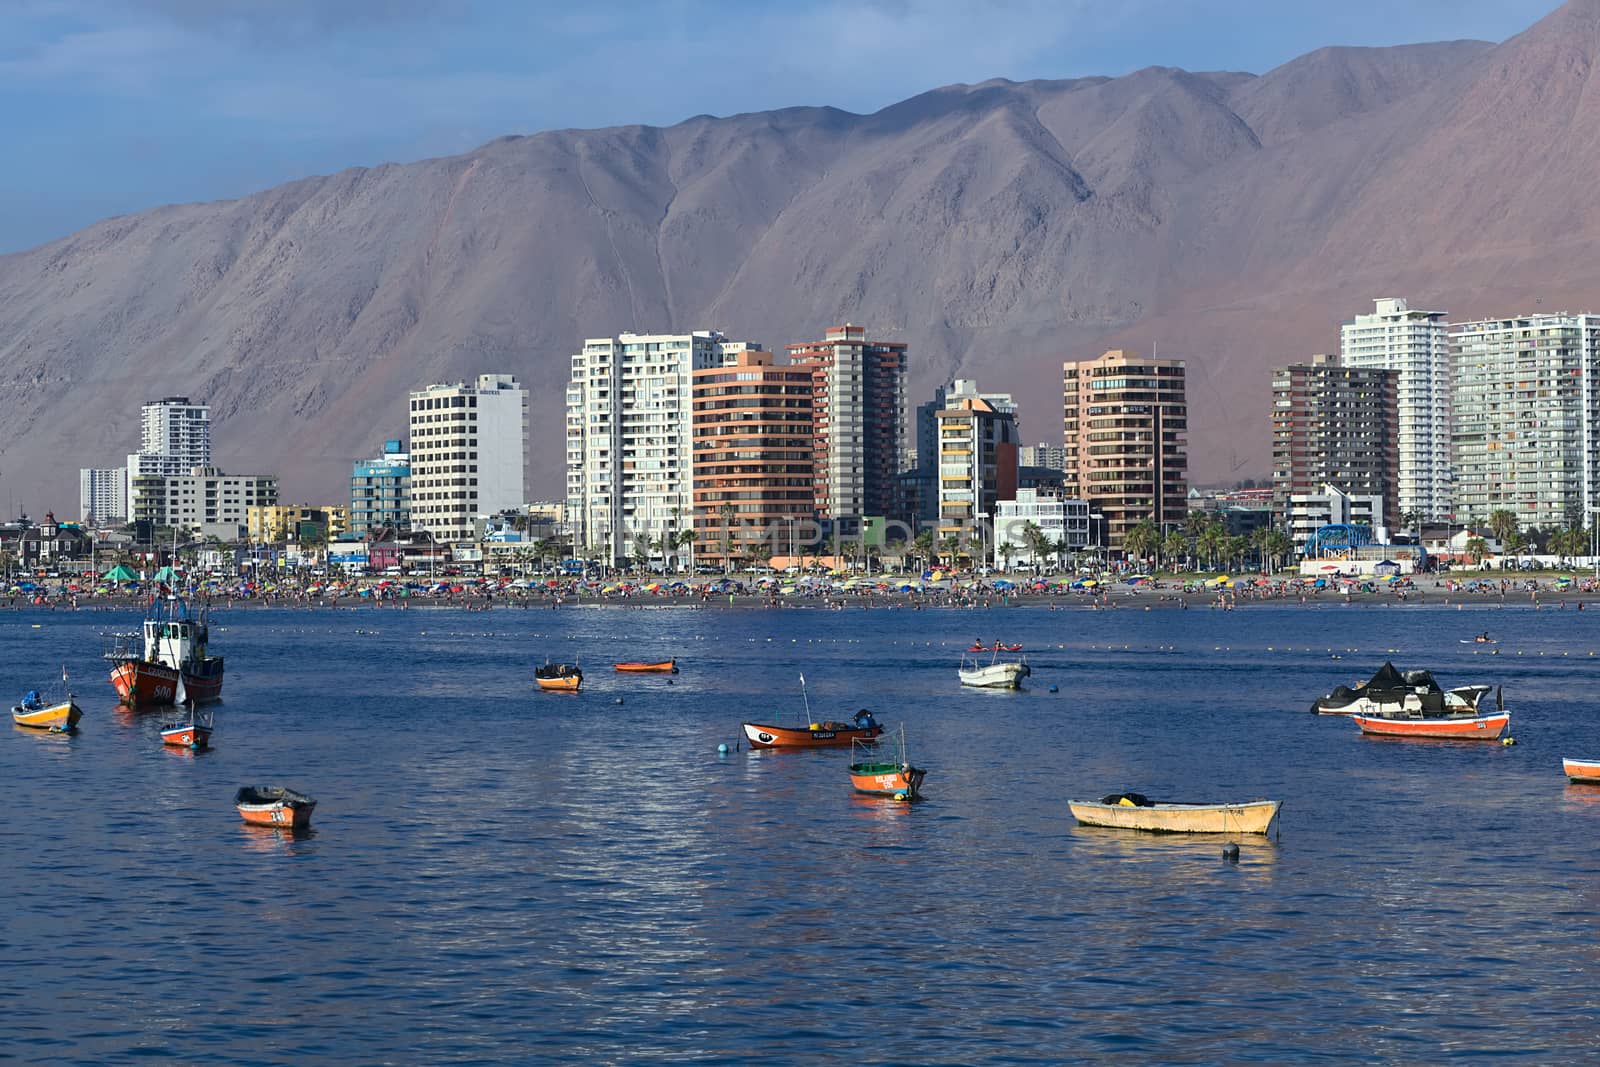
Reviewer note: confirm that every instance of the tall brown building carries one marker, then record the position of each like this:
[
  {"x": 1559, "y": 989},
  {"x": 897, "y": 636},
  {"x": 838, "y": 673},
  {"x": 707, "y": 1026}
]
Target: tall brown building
[
  {"x": 859, "y": 397},
  {"x": 1126, "y": 423},
  {"x": 753, "y": 436},
  {"x": 1335, "y": 425}
]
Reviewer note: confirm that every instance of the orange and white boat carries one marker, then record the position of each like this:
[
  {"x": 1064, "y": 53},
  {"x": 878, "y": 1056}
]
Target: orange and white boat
[
  {"x": 272, "y": 805},
  {"x": 1462, "y": 728},
  {"x": 1585, "y": 771},
  {"x": 146, "y": 666},
  {"x": 194, "y": 731},
  {"x": 814, "y": 735},
  {"x": 669, "y": 666},
  {"x": 559, "y": 677},
  {"x": 894, "y": 777}
]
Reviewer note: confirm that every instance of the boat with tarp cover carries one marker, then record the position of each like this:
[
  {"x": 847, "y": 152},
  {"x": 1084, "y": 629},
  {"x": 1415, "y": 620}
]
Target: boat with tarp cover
[
  {"x": 146, "y": 665},
  {"x": 51, "y": 707},
  {"x": 1410, "y": 693},
  {"x": 273, "y": 805}
]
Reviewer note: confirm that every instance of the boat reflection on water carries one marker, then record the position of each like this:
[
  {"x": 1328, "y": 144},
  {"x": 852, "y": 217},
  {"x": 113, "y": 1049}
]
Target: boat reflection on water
[
  {"x": 274, "y": 839},
  {"x": 1173, "y": 856}
]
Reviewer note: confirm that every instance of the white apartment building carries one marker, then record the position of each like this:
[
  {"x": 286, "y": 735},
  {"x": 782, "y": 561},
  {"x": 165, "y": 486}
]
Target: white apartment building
[
  {"x": 630, "y": 459},
  {"x": 1043, "y": 454},
  {"x": 468, "y": 443},
  {"x": 1527, "y": 418},
  {"x": 1057, "y": 518},
  {"x": 1415, "y": 343},
  {"x": 174, "y": 439},
  {"x": 202, "y": 500},
  {"x": 102, "y": 494}
]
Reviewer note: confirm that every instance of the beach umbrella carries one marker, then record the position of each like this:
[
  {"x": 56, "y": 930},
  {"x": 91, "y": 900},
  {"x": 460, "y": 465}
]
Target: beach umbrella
[{"x": 120, "y": 573}]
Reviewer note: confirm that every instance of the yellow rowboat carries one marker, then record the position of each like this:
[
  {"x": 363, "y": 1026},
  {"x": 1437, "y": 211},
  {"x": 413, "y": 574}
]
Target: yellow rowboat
[
  {"x": 1130, "y": 811},
  {"x": 60, "y": 717}
]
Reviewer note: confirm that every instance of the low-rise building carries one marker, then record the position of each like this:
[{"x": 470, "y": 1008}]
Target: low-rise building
[
  {"x": 279, "y": 523},
  {"x": 1058, "y": 520},
  {"x": 205, "y": 500},
  {"x": 1310, "y": 512}
]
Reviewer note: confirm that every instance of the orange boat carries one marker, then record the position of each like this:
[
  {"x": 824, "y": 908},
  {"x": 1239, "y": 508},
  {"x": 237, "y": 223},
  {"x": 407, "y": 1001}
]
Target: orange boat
[
  {"x": 1465, "y": 727},
  {"x": 147, "y": 666},
  {"x": 814, "y": 735},
  {"x": 872, "y": 774},
  {"x": 665, "y": 667},
  {"x": 1586, "y": 771},
  {"x": 561, "y": 677},
  {"x": 271, "y": 805},
  {"x": 193, "y": 732}
]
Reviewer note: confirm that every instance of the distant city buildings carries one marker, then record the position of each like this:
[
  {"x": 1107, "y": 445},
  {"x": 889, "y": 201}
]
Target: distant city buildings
[
  {"x": 380, "y": 492},
  {"x": 1416, "y": 344},
  {"x": 630, "y": 439},
  {"x": 204, "y": 501},
  {"x": 977, "y": 458},
  {"x": 859, "y": 411},
  {"x": 102, "y": 494},
  {"x": 1526, "y": 433},
  {"x": 468, "y": 443},
  {"x": 753, "y": 439},
  {"x": 1043, "y": 454},
  {"x": 1125, "y": 427},
  {"x": 1335, "y": 425}
]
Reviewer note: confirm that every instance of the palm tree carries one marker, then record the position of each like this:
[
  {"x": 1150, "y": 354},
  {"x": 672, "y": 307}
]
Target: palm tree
[
  {"x": 1060, "y": 547},
  {"x": 1174, "y": 546},
  {"x": 1007, "y": 550},
  {"x": 1211, "y": 543},
  {"x": 950, "y": 549},
  {"x": 1141, "y": 540},
  {"x": 1038, "y": 544},
  {"x": 924, "y": 546},
  {"x": 1503, "y": 524},
  {"x": 1477, "y": 548},
  {"x": 727, "y": 536},
  {"x": 1195, "y": 524}
]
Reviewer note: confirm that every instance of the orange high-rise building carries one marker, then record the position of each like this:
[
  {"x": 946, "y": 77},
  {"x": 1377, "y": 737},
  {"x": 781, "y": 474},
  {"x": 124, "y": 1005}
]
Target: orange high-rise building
[{"x": 753, "y": 456}]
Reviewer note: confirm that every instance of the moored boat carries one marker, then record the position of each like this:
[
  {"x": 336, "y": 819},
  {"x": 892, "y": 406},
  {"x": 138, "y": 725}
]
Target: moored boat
[
  {"x": 1133, "y": 811},
  {"x": 1459, "y": 727},
  {"x": 49, "y": 708},
  {"x": 1586, "y": 771},
  {"x": 872, "y": 773},
  {"x": 1392, "y": 692},
  {"x": 993, "y": 675},
  {"x": 669, "y": 666},
  {"x": 561, "y": 677},
  {"x": 146, "y": 666},
  {"x": 193, "y": 731},
  {"x": 814, "y": 735},
  {"x": 271, "y": 805}
]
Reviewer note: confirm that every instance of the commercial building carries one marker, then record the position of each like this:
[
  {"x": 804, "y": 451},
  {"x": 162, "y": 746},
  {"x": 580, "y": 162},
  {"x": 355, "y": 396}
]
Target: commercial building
[
  {"x": 629, "y": 437},
  {"x": 102, "y": 494},
  {"x": 1527, "y": 418},
  {"x": 204, "y": 500},
  {"x": 859, "y": 412},
  {"x": 1060, "y": 522},
  {"x": 1417, "y": 345},
  {"x": 1125, "y": 427},
  {"x": 977, "y": 460},
  {"x": 1332, "y": 506},
  {"x": 468, "y": 443},
  {"x": 1336, "y": 425},
  {"x": 753, "y": 459},
  {"x": 380, "y": 492}
]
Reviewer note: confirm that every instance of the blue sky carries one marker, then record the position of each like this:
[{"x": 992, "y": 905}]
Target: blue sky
[{"x": 111, "y": 106}]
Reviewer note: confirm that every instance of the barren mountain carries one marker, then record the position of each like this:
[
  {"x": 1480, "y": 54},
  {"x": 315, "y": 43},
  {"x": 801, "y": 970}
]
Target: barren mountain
[{"x": 1230, "y": 219}]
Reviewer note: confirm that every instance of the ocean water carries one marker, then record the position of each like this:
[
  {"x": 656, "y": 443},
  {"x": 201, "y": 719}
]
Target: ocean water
[{"x": 502, "y": 875}]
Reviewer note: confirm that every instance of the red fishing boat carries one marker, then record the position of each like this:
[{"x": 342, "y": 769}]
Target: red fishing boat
[
  {"x": 1464, "y": 727},
  {"x": 146, "y": 666},
  {"x": 191, "y": 732},
  {"x": 271, "y": 805},
  {"x": 814, "y": 735}
]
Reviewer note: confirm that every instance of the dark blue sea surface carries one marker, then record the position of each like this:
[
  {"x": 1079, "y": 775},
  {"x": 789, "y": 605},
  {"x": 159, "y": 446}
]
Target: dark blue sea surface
[{"x": 500, "y": 875}]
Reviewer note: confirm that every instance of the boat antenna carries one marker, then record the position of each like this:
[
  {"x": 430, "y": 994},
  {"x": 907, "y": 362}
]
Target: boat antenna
[{"x": 804, "y": 697}]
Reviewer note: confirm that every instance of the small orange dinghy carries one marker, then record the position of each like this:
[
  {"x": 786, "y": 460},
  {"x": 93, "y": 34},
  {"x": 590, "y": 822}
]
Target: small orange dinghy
[{"x": 664, "y": 667}]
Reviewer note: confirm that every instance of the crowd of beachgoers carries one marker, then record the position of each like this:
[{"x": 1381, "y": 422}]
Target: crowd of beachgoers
[{"x": 929, "y": 590}]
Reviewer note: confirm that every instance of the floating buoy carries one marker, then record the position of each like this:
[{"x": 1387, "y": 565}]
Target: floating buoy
[
  {"x": 619, "y": 700},
  {"x": 669, "y": 681},
  {"x": 1230, "y": 852},
  {"x": 1055, "y": 689},
  {"x": 723, "y": 748},
  {"x": 899, "y": 796},
  {"x": 1508, "y": 740}
]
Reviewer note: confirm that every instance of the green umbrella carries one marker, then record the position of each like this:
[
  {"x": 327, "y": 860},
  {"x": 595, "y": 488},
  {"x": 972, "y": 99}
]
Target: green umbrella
[{"x": 120, "y": 573}]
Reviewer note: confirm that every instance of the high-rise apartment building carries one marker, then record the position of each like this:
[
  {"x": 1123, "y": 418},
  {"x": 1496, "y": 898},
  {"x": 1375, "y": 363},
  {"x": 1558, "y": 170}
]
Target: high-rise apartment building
[
  {"x": 1126, "y": 421},
  {"x": 924, "y": 459},
  {"x": 102, "y": 494},
  {"x": 977, "y": 462},
  {"x": 1337, "y": 425},
  {"x": 859, "y": 398},
  {"x": 630, "y": 467},
  {"x": 1043, "y": 454},
  {"x": 1417, "y": 344},
  {"x": 174, "y": 439},
  {"x": 752, "y": 435},
  {"x": 1527, "y": 418},
  {"x": 468, "y": 443},
  {"x": 380, "y": 491}
]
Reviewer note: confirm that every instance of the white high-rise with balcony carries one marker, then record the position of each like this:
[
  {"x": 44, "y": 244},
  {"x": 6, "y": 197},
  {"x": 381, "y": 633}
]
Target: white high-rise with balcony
[
  {"x": 174, "y": 439},
  {"x": 630, "y": 459},
  {"x": 1417, "y": 344},
  {"x": 468, "y": 443}
]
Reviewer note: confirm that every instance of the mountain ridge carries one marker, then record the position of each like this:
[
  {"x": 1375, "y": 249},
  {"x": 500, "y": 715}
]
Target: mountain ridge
[{"x": 1227, "y": 218}]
